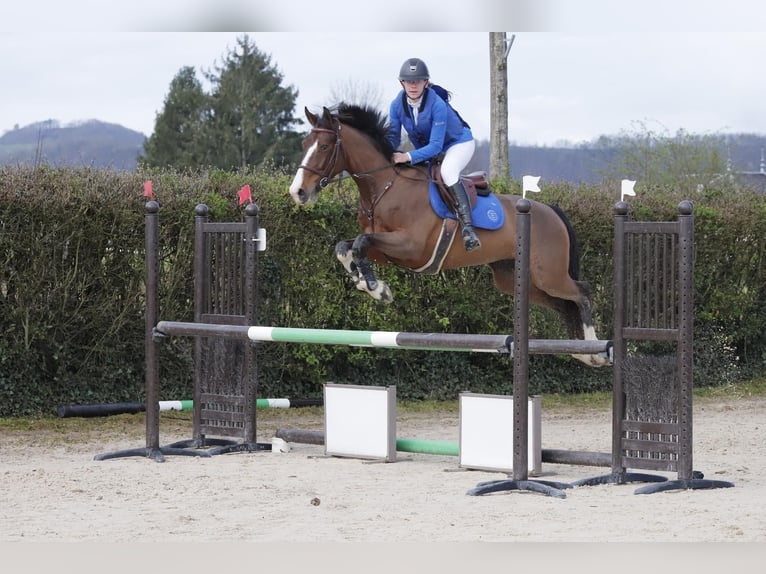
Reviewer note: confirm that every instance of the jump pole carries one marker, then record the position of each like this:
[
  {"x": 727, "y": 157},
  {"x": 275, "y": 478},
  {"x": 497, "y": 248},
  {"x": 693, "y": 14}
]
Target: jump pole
[
  {"x": 414, "y": 445},
  {"x": 474, "y": 343},
  {"x": 451, "y": 448},
  {"x": 109, "y": 409}
]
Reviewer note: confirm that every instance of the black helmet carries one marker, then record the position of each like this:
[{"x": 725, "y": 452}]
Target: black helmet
[{"x": 414, "y": 69}]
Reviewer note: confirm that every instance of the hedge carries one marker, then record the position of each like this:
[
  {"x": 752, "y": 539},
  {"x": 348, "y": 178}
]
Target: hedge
[{"x": 72, "y": 291}]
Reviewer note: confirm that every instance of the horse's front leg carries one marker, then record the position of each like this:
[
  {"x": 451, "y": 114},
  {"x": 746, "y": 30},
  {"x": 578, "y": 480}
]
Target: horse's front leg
[
  {"x": 366, "y": 277},
  {"x": 345, "y": 256}
]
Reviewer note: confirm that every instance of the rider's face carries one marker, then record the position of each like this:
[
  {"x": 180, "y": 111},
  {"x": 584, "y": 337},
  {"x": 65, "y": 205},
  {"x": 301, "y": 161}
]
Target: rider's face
[{"x": 414, "y": 88}]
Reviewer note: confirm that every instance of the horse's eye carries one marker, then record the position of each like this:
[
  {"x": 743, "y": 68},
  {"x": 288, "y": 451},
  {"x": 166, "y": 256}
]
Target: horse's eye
[{"x": 323, "y": 147}]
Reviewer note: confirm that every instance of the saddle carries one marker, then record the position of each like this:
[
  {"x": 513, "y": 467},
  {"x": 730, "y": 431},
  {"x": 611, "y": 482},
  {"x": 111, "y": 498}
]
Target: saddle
[{"x": 475, "y": 183}]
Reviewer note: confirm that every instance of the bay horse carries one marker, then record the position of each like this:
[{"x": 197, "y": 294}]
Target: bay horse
[{"x": 400, "y": 228}]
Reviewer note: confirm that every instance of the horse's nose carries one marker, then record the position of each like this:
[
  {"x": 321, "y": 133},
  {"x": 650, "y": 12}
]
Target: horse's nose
[{"x": 298, "y": 195}]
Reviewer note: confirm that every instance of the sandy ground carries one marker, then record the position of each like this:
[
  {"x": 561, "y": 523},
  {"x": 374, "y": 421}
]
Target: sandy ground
[{"x": 52, "y": 489}]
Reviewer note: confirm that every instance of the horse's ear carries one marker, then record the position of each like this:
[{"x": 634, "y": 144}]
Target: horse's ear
[
  {"x": 326, "y": 115},
  {"x": 312, "y": 118}
]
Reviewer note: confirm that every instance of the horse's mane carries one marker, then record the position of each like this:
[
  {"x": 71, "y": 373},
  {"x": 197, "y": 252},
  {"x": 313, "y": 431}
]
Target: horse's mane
[{"x": 369, "y": 121}]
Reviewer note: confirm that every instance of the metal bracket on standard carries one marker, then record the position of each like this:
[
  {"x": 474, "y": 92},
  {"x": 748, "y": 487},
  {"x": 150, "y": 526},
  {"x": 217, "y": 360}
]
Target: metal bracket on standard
[
  {"x": 547, "y": 487},
  {"x": 156, "y": 454},
  {"x": 158, "y": 336}
]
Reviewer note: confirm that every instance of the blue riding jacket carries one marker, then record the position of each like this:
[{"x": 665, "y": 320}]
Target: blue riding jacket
[{"x": 438, "y": 128}]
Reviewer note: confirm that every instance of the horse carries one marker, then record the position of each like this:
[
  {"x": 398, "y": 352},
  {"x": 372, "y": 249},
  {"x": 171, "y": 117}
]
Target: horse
[{"x": 399, "y": 227}]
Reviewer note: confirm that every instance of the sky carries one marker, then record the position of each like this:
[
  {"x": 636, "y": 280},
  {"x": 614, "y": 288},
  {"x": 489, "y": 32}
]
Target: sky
[{"x": 604, "y": 68}]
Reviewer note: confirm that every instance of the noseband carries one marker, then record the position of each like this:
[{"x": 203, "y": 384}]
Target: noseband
[{"x": 325, "y": 174}]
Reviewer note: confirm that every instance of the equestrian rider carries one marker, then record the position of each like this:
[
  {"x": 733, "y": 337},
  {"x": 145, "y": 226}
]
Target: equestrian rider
[{"x": 433, "y": 127}]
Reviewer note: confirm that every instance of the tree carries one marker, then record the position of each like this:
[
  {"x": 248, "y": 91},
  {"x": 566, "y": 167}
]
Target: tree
[
  {"x": 354, "y": 92},
  {"x": 179, "y": 128},
  {"x": 252, "y": 113},
  {"x": 682, "y": 160},
  {"x": 246, "y": 119}
]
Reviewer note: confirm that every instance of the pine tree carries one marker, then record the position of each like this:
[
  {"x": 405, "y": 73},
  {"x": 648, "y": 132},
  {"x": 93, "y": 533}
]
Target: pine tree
[
  {"x": 246, "y": 120},
  {"x": 251, "y": 112},
  {"x": 178, "y": 138}
]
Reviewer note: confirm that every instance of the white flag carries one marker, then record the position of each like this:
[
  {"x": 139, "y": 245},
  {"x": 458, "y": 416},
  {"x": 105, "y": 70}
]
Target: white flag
[
  {"x": 529, "y": 183},
  {"x": 627, "y": 188}
]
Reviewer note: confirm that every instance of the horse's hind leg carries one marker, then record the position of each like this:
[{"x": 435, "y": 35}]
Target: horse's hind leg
[
  {"x": 577, "y": 315},
  {"x": 572, "y": 305},
  {"x": 582, "y": 312},
  {"x": 575, "y": 311}
]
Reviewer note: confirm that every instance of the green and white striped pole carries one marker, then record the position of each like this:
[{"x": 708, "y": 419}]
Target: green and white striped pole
[
  {"x": 105, "y": 410},
  {"x": 384, "y": 339}
]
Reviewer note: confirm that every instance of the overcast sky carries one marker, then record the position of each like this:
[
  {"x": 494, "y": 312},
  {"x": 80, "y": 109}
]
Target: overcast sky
[{"x": 598, "y": 70}]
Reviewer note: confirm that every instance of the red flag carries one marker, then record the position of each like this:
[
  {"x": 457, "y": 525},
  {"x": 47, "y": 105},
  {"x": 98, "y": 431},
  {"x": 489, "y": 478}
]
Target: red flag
[
  {"x": 148, "y": 189},
  {"x": 245, "y": 195}
]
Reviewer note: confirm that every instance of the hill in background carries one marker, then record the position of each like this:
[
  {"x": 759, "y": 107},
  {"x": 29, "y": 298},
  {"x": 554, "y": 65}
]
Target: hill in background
[{"x": 89, "y": 143}]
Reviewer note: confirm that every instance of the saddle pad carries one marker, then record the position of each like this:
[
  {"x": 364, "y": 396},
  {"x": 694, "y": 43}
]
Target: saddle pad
[{"x": 488, "y": 213}]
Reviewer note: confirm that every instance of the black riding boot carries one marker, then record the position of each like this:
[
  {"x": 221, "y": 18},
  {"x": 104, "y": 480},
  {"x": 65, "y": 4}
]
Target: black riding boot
[{"x": 460, "y": 196}]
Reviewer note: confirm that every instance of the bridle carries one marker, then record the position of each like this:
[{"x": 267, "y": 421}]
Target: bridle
[{"x": 324, "y": 174}]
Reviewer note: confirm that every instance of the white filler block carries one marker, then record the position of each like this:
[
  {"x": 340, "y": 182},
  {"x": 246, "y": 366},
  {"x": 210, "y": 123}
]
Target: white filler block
[
  {"x": 486, "y": 433},
  {"x": 360, "y": 421}
]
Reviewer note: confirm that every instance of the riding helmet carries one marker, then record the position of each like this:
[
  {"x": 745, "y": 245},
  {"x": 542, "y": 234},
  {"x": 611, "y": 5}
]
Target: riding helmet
[{"x": 414, "y": 69}]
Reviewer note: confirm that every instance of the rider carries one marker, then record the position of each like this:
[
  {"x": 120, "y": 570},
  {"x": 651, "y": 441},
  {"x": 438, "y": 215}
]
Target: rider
[{"x": 433, "y": 127}]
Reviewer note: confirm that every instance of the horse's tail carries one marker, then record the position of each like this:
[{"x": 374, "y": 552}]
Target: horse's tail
[
  {"x": 570, "y": 311},
  {"x": 574, "y": 246}
]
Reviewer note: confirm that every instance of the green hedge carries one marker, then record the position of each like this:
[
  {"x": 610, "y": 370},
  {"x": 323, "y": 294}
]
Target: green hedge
[{"x": 72, "y": 300}]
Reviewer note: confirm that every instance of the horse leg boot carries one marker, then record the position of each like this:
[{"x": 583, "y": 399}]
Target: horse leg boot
[{"x": 463, "y": 206}]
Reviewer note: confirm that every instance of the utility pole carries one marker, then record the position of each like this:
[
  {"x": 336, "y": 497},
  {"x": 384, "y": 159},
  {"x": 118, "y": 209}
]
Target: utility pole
[{"x": 499, "y": 47}]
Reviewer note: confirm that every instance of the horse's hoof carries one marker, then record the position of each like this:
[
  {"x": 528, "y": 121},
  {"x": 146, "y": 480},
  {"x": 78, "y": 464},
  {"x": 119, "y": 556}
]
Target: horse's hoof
[
  {"x": 599, "y": 360},
  {"x": 382, "y": 293},
  {"x": 386, "y": 296}
]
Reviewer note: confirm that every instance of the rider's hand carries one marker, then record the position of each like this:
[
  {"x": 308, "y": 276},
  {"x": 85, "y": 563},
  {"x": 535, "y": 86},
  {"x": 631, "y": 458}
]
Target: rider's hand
[{"x": 400, "y": 157}]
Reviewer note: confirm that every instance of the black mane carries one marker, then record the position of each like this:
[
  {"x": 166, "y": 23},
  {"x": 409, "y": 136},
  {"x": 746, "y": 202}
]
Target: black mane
[{"x": 369, "y": 121}]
